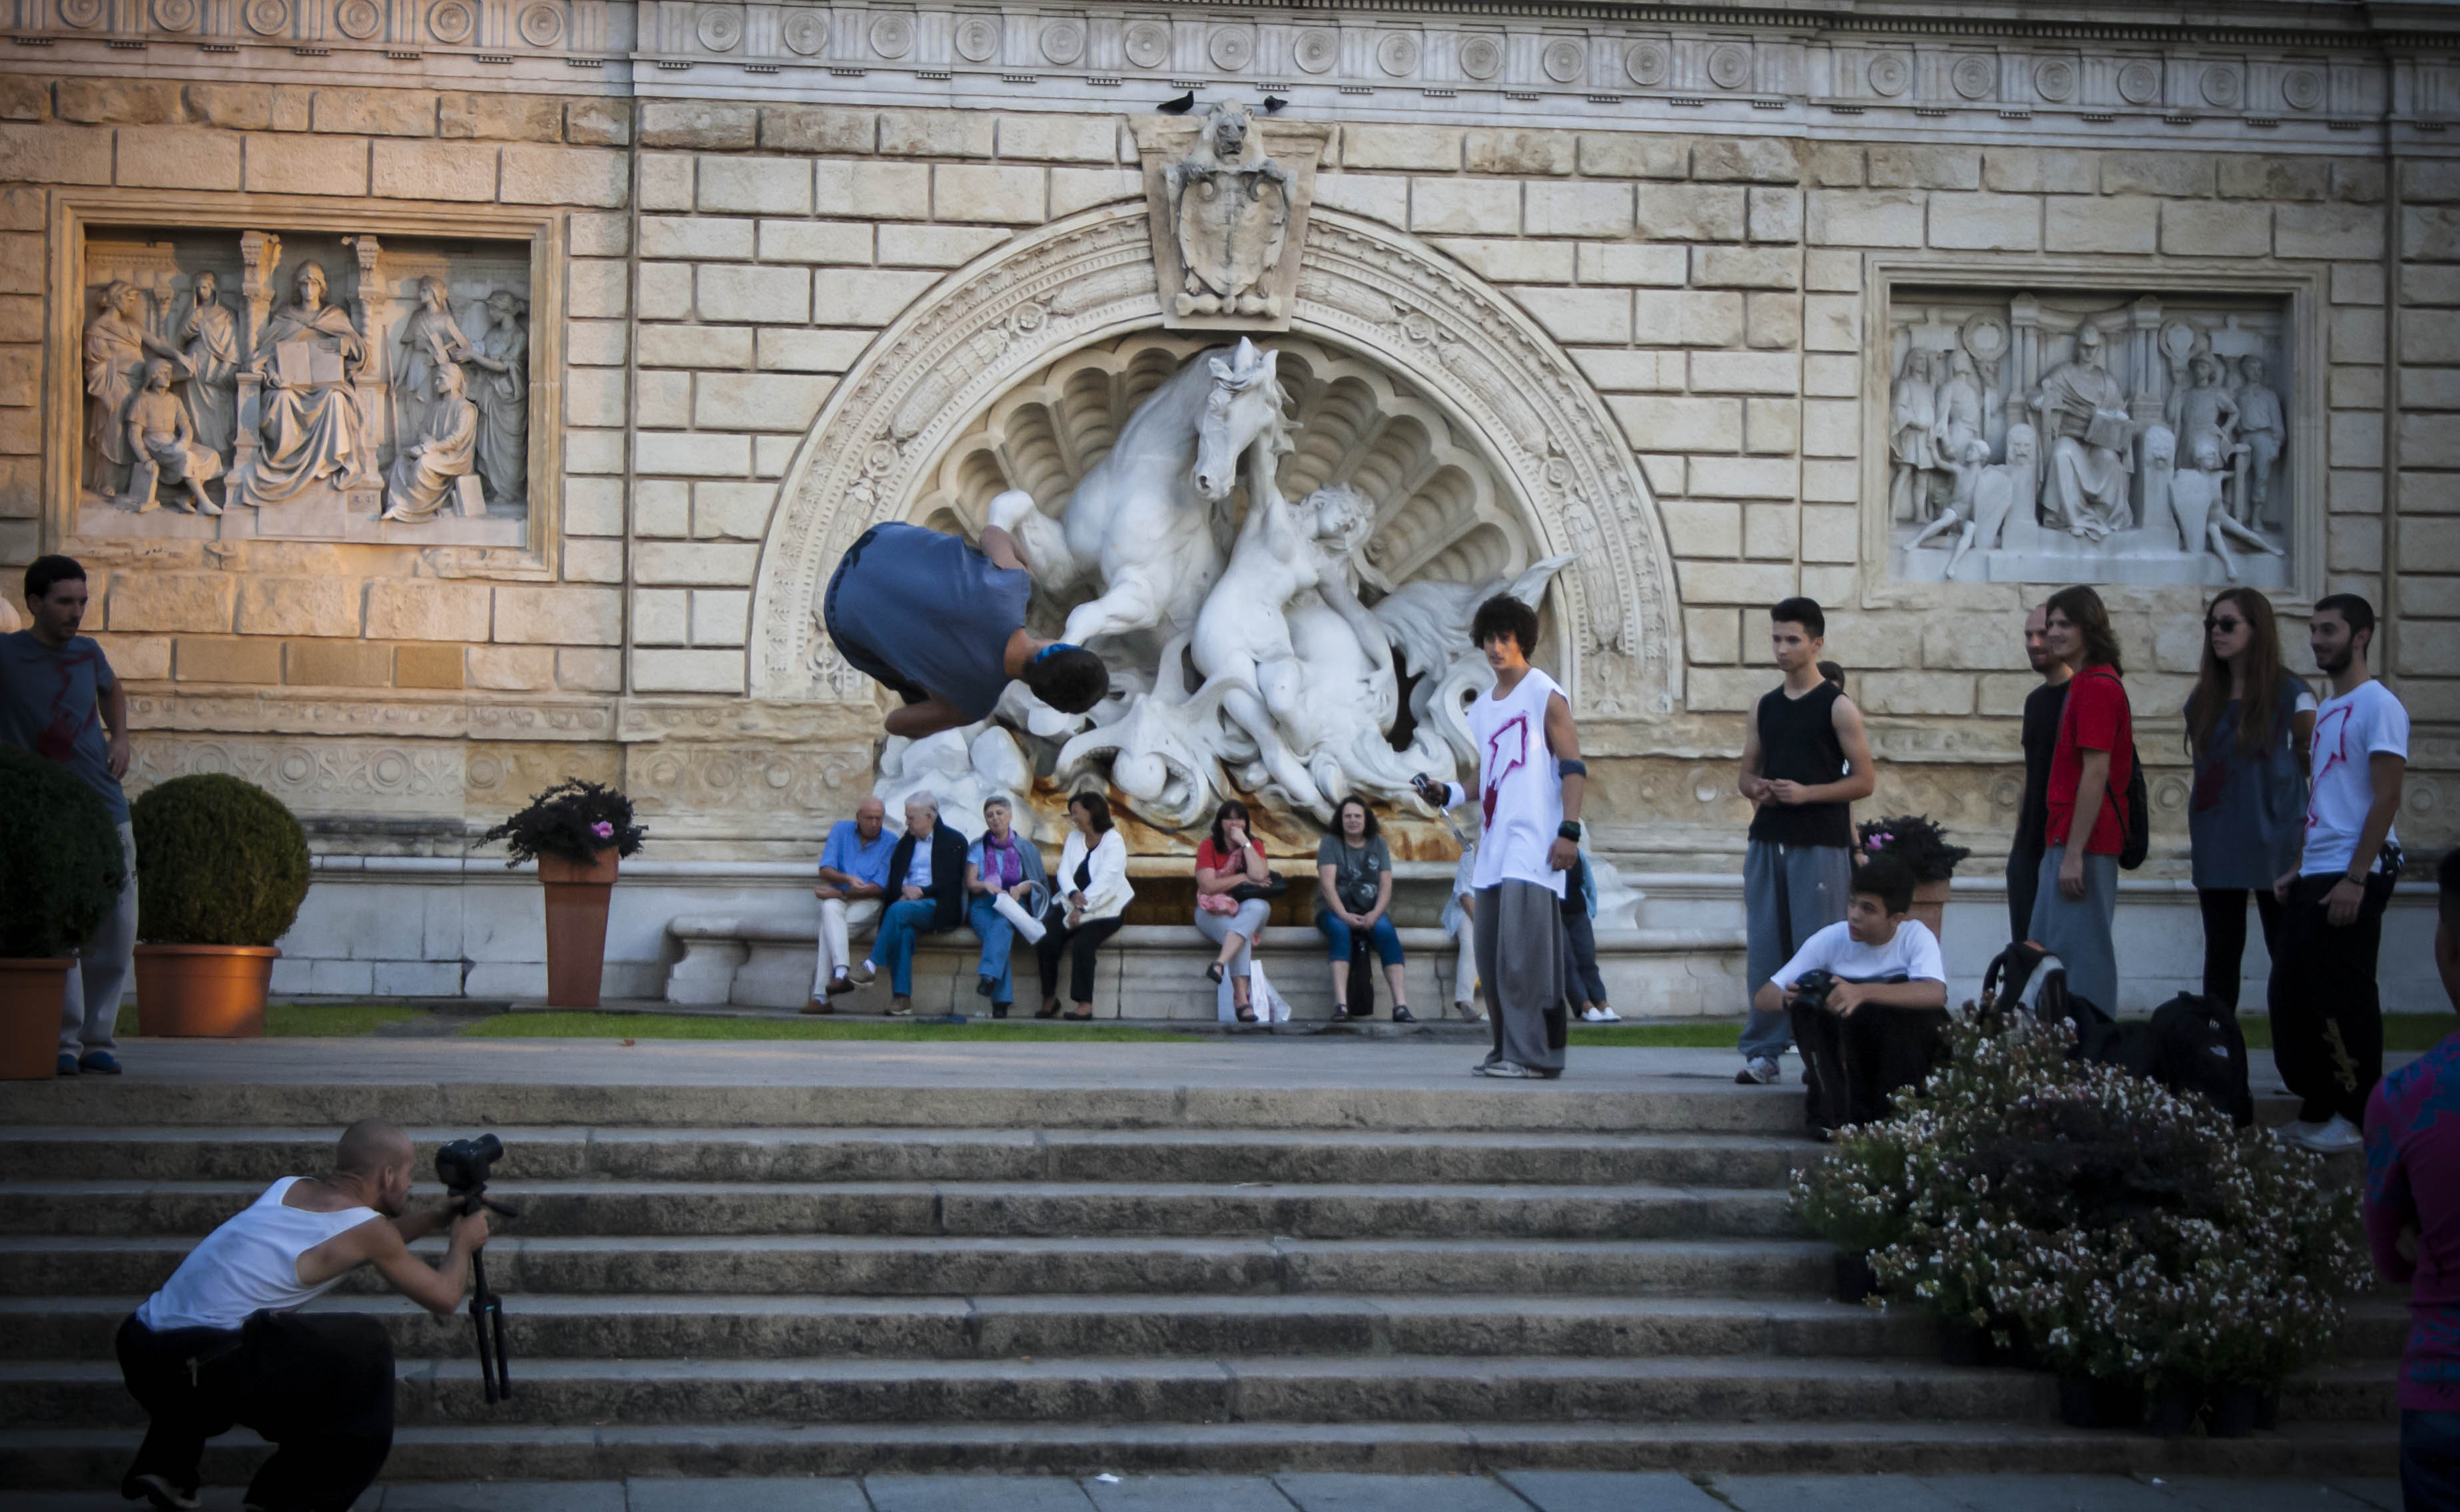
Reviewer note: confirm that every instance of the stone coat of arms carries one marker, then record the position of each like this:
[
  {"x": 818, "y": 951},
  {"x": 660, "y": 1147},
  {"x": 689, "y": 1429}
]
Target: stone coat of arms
[{"x": 1230, "y": 197}]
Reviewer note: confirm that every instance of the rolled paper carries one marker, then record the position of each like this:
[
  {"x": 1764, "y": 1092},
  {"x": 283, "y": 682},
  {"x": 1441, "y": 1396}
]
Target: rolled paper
[{"x": 1025, "y": 924}]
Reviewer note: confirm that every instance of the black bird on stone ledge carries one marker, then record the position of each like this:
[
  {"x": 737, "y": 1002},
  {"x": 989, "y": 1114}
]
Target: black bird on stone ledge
[
  {"x": 1178, "y": 107},
  {"x": 1273, "y": 104}
]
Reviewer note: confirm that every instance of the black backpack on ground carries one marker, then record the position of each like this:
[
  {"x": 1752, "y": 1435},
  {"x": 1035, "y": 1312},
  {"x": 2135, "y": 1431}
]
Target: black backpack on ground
[
  {"x": 2028, "y": 979},
  {"x": 2198, "y": 1046}
]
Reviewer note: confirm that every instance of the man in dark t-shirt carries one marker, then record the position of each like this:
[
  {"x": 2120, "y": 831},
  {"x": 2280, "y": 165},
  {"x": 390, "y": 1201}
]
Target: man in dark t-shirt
[
  {"x": 943, "y": 626},
  {"x": 1805, "y": 760},
  {"x": 2043, "y": 707}
]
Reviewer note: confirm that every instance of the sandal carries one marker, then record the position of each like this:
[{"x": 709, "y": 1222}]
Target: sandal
[
  {"x": 1049, "y": 1009},
  {"x": 1247, "y": 1013},
  {"x": 1215, "y": 973}
]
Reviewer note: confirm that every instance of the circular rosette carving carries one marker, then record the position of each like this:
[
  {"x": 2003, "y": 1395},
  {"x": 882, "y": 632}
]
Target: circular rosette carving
[
  {"x": 1231, "y": 48},
  {"x": 2054, "y": 79},
  {"x": 1315, "y": 49},
  {"x": 978, "y": 39},
  {"x": 1147, "y": 44},
  {"x": 2302, "y": 88},
  {"x": 1565, "y": 60},
  {"x": 2222, "y": 85},
  {"x": 1063, "y": 41},
  {"x": 452, "y": 21},
  {"x": 1648, "y": 64},
  {"x": 357, "y": 19},
  {"x": 542, "y": 26},
  {"x": 719, "y": 28},
  {"x": 1889, "y": 75},
  {"x": 2139, "y": 81},
  {"x": 1975, "y": 75},
  {"x": 1481, "y": 55},
  {"x": 1729, "y": 66},
  {"x": 1396, "y": 52},
  {"x": 805, "y": 32},
  {"x": 175, "y": 16},
  {"x": 892, "y": 36},
  {"x": 267, "y": 17},
  {"x": 82, "y": 13}
]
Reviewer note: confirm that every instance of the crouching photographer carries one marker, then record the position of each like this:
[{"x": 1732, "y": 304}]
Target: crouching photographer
[
  {"x": 1868, "y": 1000},
  {"x": 223, "y": 1343}
]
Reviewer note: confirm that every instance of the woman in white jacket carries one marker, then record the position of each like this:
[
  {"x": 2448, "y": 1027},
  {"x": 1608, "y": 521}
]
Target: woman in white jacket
[{"x": 1091, "y": 884}]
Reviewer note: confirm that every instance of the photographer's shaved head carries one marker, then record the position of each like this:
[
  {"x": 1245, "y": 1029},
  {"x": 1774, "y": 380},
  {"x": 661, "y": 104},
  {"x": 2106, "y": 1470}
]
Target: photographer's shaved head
[{"x": 371, "y": 1147}]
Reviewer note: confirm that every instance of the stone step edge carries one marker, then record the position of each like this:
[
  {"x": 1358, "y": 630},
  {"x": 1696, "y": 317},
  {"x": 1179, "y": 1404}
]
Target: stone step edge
[
  {"x": 515, "y": 1135},
  {"x": 68, "y": 1458}
]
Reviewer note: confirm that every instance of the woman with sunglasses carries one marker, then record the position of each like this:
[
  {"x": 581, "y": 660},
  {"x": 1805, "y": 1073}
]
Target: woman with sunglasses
[{"x": 2249, "y": 721}]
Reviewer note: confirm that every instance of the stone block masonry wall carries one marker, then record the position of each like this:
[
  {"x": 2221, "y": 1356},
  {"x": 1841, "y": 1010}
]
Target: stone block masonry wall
[
  {"x": 295, "y": 615},
  {"x": 774, "y": 242}
]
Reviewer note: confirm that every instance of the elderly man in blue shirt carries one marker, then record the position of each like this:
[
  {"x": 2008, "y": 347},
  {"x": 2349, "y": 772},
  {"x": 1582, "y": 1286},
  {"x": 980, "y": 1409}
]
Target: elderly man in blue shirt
[{"x": 853, "y": 880}]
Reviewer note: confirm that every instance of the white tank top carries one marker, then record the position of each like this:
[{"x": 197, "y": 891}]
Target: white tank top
[
  {"x": 1520, "y": 792},
  {"x": 248, "y": 1264}
]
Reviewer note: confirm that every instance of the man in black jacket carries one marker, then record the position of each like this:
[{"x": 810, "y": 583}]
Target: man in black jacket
[{"x": 926, "y": 883}]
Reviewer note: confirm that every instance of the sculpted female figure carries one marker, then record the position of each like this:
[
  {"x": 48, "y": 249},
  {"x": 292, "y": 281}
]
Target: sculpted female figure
[
  {"x": 116, "y": 347},
  {"x": 503, "y": 398},
  {"x": 310, "y": 358},
  {"x": 212, "y": 356},
  {"x": 429, "y": 338},
  {"x": 424, "y": 471}
]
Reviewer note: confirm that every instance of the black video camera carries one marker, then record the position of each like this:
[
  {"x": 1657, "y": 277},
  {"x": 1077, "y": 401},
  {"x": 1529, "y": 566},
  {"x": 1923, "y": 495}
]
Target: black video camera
[
  {"x": 463, "y": 1167},
  {"x": 1809, "y": 988}
]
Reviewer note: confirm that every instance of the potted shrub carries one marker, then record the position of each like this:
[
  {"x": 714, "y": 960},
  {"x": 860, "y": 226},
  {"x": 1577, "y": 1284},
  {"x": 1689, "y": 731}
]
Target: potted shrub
[
  {"x": 60, "y": 876},
  {"x": 577, "y": 831},
  {"x": 1922, "y": 847},
  {"x": 221, "y": 868}
]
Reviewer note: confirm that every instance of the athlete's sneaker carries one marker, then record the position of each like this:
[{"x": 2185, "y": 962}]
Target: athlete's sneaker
[
  {"x": 1758, "y": 1071},
  {"x": 2337, "y": 1137},
  {"x": 1512, "y": 1070},
  {"x": 863, "y": 972},
  {"x": 1600, "y": 1013},
  {"x": 155, "y": 1492},
  {"x": 900, "y": 1007}
]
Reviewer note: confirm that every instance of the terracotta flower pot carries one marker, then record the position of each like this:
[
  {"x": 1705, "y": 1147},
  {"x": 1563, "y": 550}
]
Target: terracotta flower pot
[
  {"x": 30, "y": 1015},
  {"x": 575, "y": 926},
  {"x": 1930, "y": 906},
  {"x": 204, "y": 991}
]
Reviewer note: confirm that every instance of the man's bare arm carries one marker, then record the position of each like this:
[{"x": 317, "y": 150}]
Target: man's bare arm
[
  {"x": 114, "y": 719},
  {"x": 929, "y": 717},
  {"x": 1002, "y": 549},
  {"x": 438, "y": 1288}
]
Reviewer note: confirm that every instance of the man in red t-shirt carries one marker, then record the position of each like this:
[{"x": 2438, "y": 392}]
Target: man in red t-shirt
[{"x": 2077, "y": 899}]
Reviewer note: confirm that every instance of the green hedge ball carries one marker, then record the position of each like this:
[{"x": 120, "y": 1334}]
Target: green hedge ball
[
  {"x": 60, "y": 866},
  {"x": 219, "y": 862}
]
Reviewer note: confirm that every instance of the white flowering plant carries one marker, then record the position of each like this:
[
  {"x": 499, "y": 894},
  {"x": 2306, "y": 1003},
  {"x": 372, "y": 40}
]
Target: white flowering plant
[{"x": 2126, "y": 1230}]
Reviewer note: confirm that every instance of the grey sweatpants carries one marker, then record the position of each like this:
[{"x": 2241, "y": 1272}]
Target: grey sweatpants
[
  {"x": 2077, "y": 931},
  {"x": 90, "y": 1003},
  {"x": 1520, "y": 966},
  {"x": 1790, "y": 894}
]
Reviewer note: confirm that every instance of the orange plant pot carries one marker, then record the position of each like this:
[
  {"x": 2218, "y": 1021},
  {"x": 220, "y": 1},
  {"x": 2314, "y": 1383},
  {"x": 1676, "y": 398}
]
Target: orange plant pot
[
  {"x": 1930, "y": 906},
  {"x": 30, "y": 991},
  {"x": 207, "y": 991},
  {"x": 576, "y": 927}
]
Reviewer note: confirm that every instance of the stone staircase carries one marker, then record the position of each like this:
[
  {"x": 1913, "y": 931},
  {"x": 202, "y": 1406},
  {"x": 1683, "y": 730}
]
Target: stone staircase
[{"x": 828, "y": 1280}]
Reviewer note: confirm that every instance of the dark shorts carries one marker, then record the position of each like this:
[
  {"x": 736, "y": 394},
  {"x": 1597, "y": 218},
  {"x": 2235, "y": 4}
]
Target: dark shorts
[{"x": 849, "y": 640}]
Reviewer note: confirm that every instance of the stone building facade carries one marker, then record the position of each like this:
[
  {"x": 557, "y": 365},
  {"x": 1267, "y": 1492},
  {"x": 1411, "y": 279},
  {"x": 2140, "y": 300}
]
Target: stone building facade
[{"x": 1724, "y": 308}]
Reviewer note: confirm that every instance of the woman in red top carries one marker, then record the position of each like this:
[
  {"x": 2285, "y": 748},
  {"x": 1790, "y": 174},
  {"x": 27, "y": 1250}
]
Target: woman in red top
[
  {"x": 2090, "y": 769},
  {"x": 1231, "y": 858}
]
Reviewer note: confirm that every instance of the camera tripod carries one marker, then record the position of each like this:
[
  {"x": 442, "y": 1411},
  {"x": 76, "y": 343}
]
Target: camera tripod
[{"x": 487, "y": 1309}]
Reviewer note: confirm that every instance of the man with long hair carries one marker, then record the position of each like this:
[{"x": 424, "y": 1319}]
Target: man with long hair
[
  {"x": 2326, "y": 1011},
  {"x": 2076, "y": 894},
  {"x": 2248, "y": 723}
]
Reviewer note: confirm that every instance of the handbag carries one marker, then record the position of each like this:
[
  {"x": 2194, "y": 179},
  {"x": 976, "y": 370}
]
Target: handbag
[{"x": 1272, "y": 886}]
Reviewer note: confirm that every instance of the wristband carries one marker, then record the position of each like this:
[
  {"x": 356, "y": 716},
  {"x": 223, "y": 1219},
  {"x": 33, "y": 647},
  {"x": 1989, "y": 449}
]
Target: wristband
[
  {"x": 1568, "y": 829},
  {"x": 1574, "y": 768}
]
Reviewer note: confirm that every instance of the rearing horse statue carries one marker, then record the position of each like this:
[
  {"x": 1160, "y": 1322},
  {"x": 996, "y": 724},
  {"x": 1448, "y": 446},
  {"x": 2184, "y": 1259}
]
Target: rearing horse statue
[{"x": 1150, "y": 516}]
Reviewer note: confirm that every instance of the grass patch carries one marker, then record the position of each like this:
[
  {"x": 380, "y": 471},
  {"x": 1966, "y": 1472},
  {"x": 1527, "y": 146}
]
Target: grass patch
[
  {"x": 583, "y": 1026},
  {"x": 308, "y": 1020},
  {"x": 2402, "y": 1031},
  {"x": 1712, "y": 1035}
]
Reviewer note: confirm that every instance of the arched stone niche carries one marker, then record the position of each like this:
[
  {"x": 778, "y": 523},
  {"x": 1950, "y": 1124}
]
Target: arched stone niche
[{"x": 1430, "y": 335}]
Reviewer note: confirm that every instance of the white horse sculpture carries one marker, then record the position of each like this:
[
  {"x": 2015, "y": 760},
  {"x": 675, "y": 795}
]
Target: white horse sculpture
[{"x": 1149, "y": 517}]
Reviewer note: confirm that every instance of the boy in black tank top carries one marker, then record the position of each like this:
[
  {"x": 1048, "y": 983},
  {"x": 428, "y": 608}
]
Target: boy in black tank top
[{"x": 1805, "y": 760}]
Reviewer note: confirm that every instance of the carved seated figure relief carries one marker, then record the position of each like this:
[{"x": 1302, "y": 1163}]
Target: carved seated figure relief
[
  {"x": 310, "y": 425},
  {"x": 117, "y": 346},
  {"x": 2104, "y": 423},
  {"x": 442, "y": 462},
  {"x": 162, "y": 439}
]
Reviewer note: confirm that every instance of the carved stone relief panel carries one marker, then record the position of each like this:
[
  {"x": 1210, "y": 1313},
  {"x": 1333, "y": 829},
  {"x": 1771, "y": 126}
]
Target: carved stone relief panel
[
  {"x": 2073, "y": 436},
  {"x": 1230, "y": 197},
  {"x": 317, "y": 386}
]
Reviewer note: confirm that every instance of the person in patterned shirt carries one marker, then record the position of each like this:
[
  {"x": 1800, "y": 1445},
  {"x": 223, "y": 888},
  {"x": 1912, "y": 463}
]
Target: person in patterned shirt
[{"x": 2412, "y": 1140}]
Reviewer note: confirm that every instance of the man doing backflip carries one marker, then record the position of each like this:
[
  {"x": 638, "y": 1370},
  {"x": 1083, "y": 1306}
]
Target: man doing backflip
[
  {"x": 1530, "y": 785},
  {"x": 943, "y": 626}
]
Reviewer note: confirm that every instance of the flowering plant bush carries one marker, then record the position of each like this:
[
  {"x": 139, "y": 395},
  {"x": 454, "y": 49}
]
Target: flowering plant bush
[
  {"x": 2126, "y": 1230},
  {"x": 1914, "y": 840},
  {"x": 575, "y": 820}
]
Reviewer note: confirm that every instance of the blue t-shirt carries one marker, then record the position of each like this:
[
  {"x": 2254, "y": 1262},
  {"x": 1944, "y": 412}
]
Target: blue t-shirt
[
  {"x": 846, "y": 852},
  {"x": 919, "y": 609},
  {"x": 51, "y": 704}
]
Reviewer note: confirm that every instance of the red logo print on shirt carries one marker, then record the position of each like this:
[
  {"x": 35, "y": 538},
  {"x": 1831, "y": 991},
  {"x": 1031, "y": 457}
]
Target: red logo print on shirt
[
  {"x": 1497, "y": 768},
  {"x": 2335, "y": 729}
]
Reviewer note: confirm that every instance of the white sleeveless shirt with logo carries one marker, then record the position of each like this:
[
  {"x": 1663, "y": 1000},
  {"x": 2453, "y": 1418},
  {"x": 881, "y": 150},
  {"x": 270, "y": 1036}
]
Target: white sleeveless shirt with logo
[
  {"x": 249, "y": 1265},
  {"x": 1519, "y": 791}
]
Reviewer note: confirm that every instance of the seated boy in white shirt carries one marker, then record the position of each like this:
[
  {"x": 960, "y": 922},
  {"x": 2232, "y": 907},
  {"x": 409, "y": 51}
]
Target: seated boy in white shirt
[{"x": 1879, "y": 1023}]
